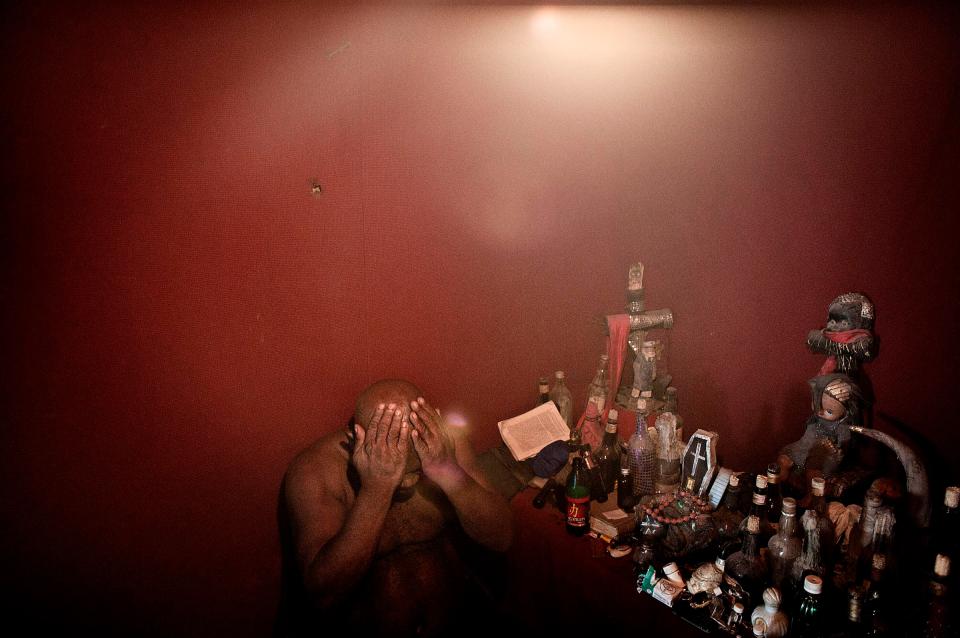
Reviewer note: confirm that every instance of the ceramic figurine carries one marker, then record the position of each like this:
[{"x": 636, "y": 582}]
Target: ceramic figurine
[
  {"x": 821, "y": 449},
  {"x": 774, "y": 620},
  {"x": 847, "y": 339}
]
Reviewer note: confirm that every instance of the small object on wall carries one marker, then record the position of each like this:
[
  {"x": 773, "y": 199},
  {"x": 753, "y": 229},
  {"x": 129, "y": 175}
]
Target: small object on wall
[{"x": 315, "y": 188}]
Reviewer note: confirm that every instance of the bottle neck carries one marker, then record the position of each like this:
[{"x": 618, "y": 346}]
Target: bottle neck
[
  {"x": 732, "y": 498},
  {"x": 749, "y": 546},
  {"x": 788, "y": 525}
]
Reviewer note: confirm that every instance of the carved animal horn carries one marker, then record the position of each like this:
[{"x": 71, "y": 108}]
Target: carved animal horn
[{"x": 918, "y": 486}]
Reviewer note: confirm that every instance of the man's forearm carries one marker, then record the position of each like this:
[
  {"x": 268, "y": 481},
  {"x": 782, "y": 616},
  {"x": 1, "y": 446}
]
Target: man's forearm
[
  {"x": 484, "y": 515},
  {"x": 341, "y": 562}
]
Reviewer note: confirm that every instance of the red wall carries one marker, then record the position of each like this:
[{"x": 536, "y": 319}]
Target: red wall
[{"x": 184, "y": 315}]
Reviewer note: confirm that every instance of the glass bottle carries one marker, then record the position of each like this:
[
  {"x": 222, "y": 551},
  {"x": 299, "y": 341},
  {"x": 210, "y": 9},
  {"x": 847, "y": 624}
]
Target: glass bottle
[
  {"x": 668, "y": 454},
  {"x": 810, "y": 560},
  {"x": 937, "y": 622},
  {"x": 881, "y": 544},
  {"x": 599, "y": 388},
  {"x": 728, "y": 516},
  {"x": 864, "y": 551},
  {"x": 643, "y": 461},
  {"x": 671, "y": 405},
  {"x": 854, "y": 627},
  {"x": 625, "y": 497},
  {"x": 578, "y": 499},
  {"x": 774, "y": 497},
  {"x": 808, "y": 620},
  {"x": 561, "y": 397},
  {"x": 746, "y": 565},
  {"x": 758, "y": 508},
  {"x": 608, "y": 454},
  {"x": 818, "y": 503},
  {"x": 878, "y": 600},
  {"x": 946, "y": 532},
  {"x": 598, "y": 489},
  {"x": 784, "y": 546},
  {"x": 543, "y": 390}
]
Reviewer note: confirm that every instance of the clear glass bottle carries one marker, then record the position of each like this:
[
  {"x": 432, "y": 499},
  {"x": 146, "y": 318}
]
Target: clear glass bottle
[
  {"x": 808, "y": 620},
  {"x": 599, "y": 388},
  {"x": 643, "y": 461},
  {"x": 746, "y": 565},
  {"x": 784, "y": 546},
  {"x": 810, "y": 560},
  {"x": 818, "y": 503},
  {"x": 608, "y": 454},
  {"x": 561, "y": 397},
  {"x": 672, "y": 405},
  {"x": 728, "y": 516},
  {"x": 669, "y": 453}
]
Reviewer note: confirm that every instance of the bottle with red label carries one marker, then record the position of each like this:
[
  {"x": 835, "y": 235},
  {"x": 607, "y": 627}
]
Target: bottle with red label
[{"x": 578, "y": 499}]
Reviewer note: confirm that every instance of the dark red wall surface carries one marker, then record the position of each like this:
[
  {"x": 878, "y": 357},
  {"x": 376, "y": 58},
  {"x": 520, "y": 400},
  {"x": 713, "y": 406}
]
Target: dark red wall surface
[{"x": 183, "y": 314}]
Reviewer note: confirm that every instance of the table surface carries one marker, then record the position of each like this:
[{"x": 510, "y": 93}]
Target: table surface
[{"x": 557, "y": 585}]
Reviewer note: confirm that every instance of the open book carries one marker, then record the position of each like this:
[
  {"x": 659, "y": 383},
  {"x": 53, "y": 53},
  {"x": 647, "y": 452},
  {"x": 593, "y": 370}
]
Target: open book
[{"x": 527, "y": 434}]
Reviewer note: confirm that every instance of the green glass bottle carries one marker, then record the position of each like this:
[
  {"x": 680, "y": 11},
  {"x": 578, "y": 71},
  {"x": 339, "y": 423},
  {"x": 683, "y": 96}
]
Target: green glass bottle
[
  {"x": 578, "y": 499},
  {"x": 808, "y": 620}
]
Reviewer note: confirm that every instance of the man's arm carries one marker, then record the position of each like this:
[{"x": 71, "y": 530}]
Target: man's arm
[
  {"x": 450, "y": 463},
  {"x": 336, "y": 545}
]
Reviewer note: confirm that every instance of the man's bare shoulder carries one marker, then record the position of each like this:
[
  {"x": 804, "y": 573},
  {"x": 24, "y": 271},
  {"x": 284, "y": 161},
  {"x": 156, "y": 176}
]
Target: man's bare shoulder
[{"x": 321, "y": 465}]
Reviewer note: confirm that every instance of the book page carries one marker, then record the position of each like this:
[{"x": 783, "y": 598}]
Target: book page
[{"x": 527, "y": 434}]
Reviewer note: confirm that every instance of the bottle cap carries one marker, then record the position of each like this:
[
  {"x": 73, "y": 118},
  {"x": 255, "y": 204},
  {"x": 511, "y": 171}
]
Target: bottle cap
[
  {"x": 753, "y": 524},
  {"x": 612, "y": 415},
  {"x": 941, "y": 566},
  {"x": 604, "y": 358},
  {"x": 734, "y": 480},
  {"x": 761, "y": 481},
  {"x": 559, "y": 374},
  {"x": 813, "y": 584},
  {"x": 759, "y": 627},
  {"x": 790, "y": 506},
  {"x": 952, "y": 498},
  {"x": 738, "y": 607},
  {"x": 773, "y": 472},
  {"x": 817, "y": 484}
]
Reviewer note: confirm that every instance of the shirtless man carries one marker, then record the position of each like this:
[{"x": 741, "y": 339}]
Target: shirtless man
[{"x": 375, "y": 514}]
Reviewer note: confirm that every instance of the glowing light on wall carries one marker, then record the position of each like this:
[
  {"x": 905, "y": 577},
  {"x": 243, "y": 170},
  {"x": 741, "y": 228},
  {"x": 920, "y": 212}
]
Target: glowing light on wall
[{"x": 544, "y": 21}]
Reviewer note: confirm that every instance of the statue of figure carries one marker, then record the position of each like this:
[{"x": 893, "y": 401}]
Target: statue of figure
[
  {"x": 641, "y": 321},
  {"x": 847, "y": 339},
  {"x": 821, "y": 449},
  {"x": 645, "y": 368}
]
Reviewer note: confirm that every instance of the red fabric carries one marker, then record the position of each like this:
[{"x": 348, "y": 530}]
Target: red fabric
[
  {"x": 830, "y": 365},
  {"x": 618, "y": 327},
  {"x": 847, "y": 336}
]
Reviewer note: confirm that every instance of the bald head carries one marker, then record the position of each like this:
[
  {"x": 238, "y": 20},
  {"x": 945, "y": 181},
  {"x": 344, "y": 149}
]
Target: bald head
[{"x": 384, "y": 391}]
